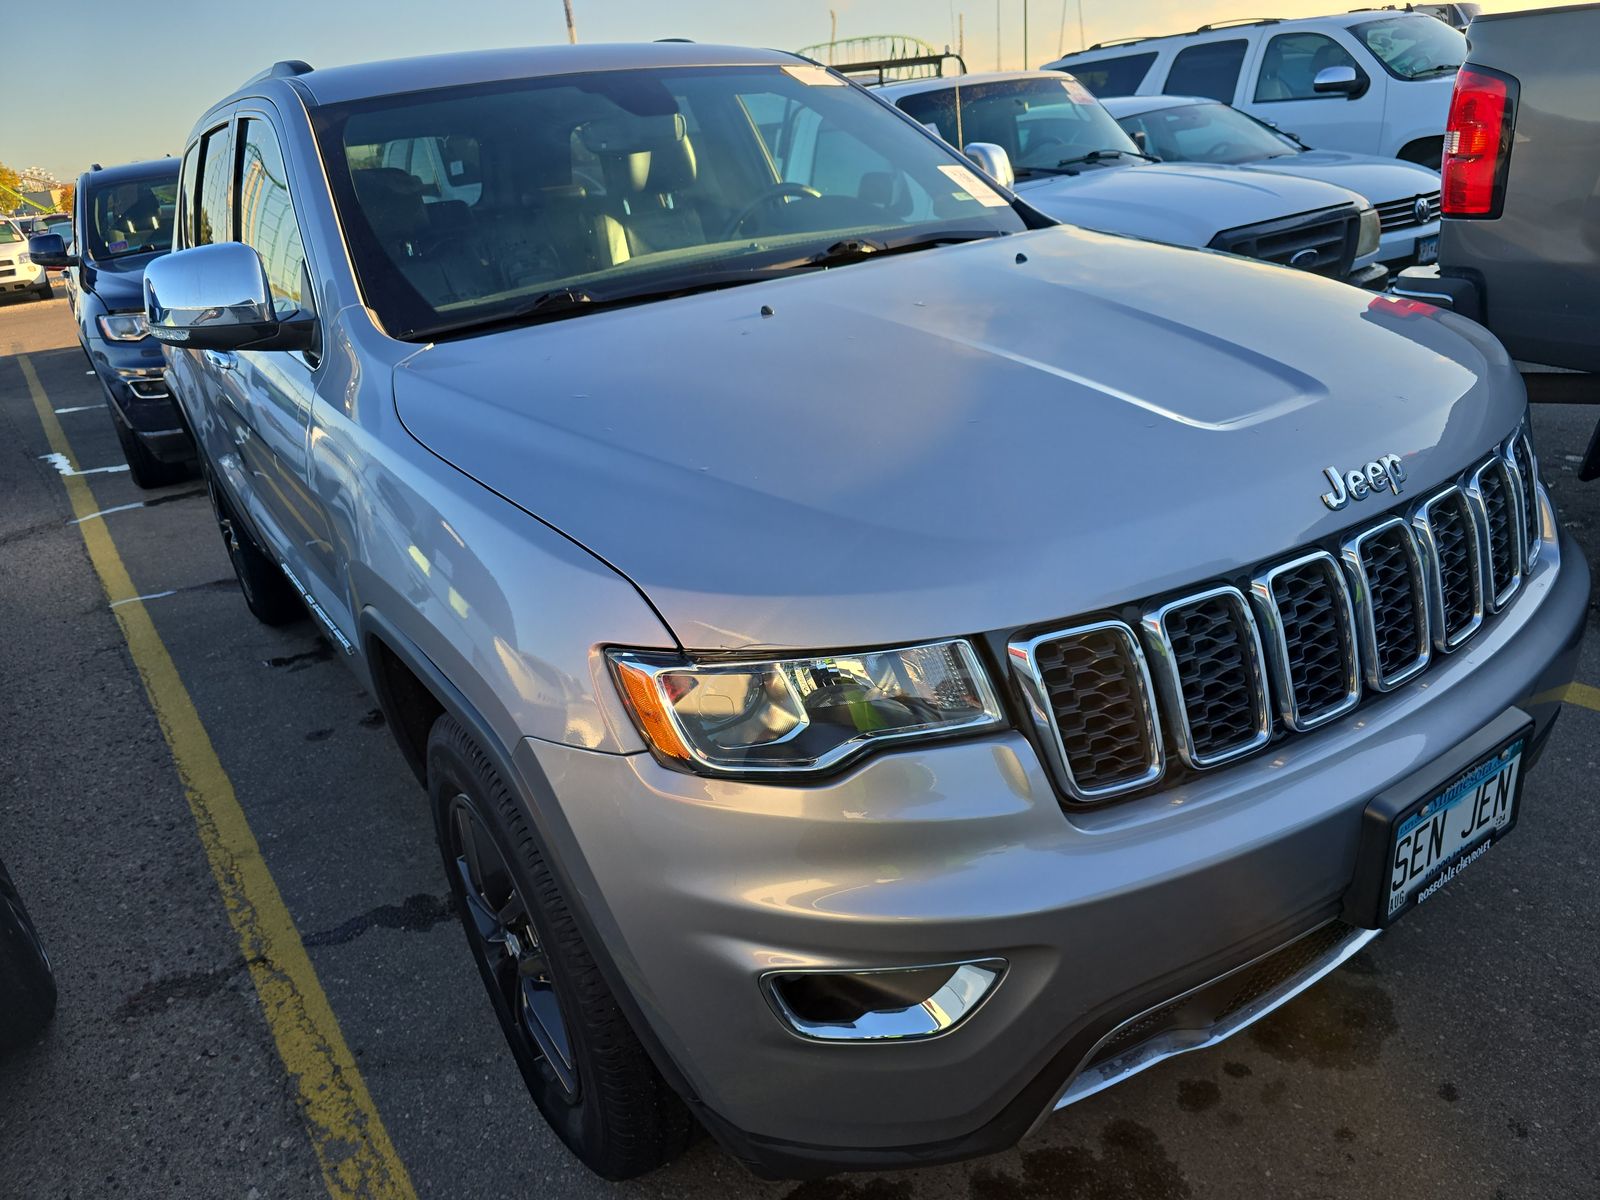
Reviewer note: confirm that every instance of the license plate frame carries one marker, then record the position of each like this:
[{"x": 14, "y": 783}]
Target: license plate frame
[
  {"x": 1367, "y": 903},
  {"x": 1428, "y": 250}
]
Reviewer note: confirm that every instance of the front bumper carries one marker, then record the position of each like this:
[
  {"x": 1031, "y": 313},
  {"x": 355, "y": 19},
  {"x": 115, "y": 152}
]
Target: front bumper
[
  {"x": 1398, "y": 247},
  {"x": 21, "y": 277},
  {"x": 132, "y": 375},
  {"x": 696, "y": 887}
]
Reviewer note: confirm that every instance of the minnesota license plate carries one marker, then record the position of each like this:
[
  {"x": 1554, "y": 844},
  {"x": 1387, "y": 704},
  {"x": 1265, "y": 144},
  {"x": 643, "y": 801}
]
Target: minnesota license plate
[
  {"x": 1427, "y": 250},
  {"x": 1419, "y": 836}
]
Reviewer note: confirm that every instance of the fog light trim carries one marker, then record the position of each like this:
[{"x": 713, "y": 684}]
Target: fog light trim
[{"x": 946, "y": 1006}]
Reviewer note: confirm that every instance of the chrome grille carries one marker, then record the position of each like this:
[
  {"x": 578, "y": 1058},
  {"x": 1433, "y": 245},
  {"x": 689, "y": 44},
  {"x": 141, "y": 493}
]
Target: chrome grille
[
  {"x": 1092, "y": 690},
  {"x": 1449, "y": 538},
  {"x": 1309, "y": 631},
  {"x": 1402, "y": 214},
  {"x": 1492, "y": 492},
  {"x": 1528, "y": 481},
  {"x": 1206, "y": 672},
  {"x": 1209, "y": 668}
]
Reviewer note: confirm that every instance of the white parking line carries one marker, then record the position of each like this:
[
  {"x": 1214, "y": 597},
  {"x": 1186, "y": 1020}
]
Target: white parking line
[
  {"x": 102, "y": 512},
  {"x": 135, "y": 599},
  {"x": 80, "y": 408},
  {"x": 60, "y": 463}
]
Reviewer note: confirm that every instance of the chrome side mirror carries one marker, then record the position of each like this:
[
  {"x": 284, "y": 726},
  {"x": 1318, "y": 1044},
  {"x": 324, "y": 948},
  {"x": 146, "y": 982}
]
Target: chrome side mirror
[
  {"x": 49, "y": 250},
  {"x": 1338, "y": 81},
  {"x": 217, "y": 298},
  {"x": 993, "y": 161}
]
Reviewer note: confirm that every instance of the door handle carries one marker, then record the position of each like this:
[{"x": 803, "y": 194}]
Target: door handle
[{"x": 223, "y": 360}]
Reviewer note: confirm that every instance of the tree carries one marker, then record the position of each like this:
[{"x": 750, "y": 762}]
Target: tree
[
  {"x": 67, "y": 193},
  {"x": 10, "y": 187}
]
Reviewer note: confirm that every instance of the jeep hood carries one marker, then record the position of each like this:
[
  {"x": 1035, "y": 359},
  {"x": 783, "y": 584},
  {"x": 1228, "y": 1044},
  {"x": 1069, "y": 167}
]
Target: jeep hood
[
  {"x": 952, "y": 441},
  {"x": 120, "y": 283},
  {"x": 1183, "y": 204}
]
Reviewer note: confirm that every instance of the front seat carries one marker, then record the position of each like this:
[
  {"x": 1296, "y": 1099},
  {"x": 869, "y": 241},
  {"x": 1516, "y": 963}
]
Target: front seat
[
  {"x": 442, "y": 270},
  {"x": 649, "y": 202}
]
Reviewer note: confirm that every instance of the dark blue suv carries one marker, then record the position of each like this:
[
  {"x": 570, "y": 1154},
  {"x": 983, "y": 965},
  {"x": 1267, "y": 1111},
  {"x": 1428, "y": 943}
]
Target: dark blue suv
[{"x": 121, "y": 221}]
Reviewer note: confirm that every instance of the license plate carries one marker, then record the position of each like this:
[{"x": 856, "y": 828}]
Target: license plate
[
  {"x": 1426, "y": 831},
  {"x": 1427, "y": 250}
]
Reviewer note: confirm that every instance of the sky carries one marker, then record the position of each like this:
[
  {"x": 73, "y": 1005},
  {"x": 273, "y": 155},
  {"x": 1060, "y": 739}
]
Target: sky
[{"x": 117, "y": 82}]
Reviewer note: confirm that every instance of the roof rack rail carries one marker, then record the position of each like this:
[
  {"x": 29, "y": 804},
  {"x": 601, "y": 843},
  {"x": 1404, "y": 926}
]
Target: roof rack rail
[
  {"x": 1239, "y": 22},
  {"x": 1122, "y": 41},
  {"x": 282, "y": 68},
  {"x": 96, "y": 167},
  {"x": 880, "y": 68}
]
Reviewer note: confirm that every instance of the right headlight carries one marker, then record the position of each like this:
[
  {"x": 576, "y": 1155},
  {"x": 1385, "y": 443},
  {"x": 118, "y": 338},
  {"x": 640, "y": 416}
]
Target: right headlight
[
  {"x": 1371, "y": 234},
  {"x": 801, "y": 715},
  {"x": 123, "y": 327}
]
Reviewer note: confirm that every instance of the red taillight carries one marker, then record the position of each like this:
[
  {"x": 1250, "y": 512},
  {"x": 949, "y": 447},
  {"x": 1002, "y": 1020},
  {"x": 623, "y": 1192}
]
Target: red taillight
[{"x": 1477, "y": 143}]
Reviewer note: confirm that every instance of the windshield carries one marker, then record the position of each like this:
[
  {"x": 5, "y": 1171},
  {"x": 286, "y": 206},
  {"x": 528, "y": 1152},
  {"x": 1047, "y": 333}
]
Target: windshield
[
  {"x": 1207, "y": 133},
  {"x": 466, "y": 206},
  {"x": 8, "y": 232},
  {"x": 1413, "y": 46},
  {"x": 1040, "y": 123},
  {"x": 133, "y": 217}
]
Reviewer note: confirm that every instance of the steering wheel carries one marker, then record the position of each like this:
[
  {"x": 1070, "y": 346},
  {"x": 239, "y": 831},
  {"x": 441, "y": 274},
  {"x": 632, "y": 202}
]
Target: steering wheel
[
  {"x": 778, "y": 191},
  {"x": 1216, "y": 150}
]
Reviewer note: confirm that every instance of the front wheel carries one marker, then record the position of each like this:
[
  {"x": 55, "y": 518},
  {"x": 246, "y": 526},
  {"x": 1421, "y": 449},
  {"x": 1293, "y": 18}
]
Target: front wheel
[
  {"x": 145, "y": 469},
  {"x": 580, "y": 1059},
  {"x": 27, "y": 987},
  {"x": 45, "y": 291},
  {"x": 266, "y": 591}
]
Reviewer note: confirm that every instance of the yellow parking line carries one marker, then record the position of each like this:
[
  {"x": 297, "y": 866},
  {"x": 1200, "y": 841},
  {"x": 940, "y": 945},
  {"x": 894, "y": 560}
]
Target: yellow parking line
[
  {"x": 1582, "y": 693},
  {"x": 357, "y": 1158}
]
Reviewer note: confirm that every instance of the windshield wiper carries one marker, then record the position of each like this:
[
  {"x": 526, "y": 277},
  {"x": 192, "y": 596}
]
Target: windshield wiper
[
  {"x": 1097, "y": 155},
  {"x": 854, "y": 249}
]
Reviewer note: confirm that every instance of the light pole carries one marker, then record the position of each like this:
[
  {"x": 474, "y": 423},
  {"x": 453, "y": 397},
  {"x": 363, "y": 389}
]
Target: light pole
[
  {"x": 572, "y": 29},
  {"x": 1025, "y": 59}
]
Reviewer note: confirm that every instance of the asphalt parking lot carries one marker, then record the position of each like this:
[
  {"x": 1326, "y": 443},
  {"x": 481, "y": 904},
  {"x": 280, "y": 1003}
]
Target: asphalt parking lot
[{"x": 1458, "y": 1057}]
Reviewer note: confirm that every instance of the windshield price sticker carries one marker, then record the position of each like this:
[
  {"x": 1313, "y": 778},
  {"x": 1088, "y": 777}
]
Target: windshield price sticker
[
  {"x": 814, "y": 76},
  {"x": 975, "y": 188}
]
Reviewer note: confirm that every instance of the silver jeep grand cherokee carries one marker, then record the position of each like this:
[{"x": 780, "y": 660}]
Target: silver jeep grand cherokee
[{"x": 884, "y": 665}]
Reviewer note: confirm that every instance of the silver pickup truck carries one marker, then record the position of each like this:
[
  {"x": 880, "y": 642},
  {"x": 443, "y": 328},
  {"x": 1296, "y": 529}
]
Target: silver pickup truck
[{"x": 1519, "y": 245}]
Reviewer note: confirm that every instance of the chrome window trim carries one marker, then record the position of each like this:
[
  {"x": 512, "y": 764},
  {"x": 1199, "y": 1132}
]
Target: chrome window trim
[
  {"x": 1422, "y": 527},
  {"x": 1264, "y": 597},
  {"x": 1169, "y": 683},
  {"x": 1361, "y": 601},
  {"x": 1526, "y": 494},
  {"x": 1495, "y": 601},
  {"x": 1023, "y": 657}
]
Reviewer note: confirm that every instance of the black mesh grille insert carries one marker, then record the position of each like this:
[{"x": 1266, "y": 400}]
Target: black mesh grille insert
[
  {"x": 1323, "y": 242},
  {"x": 1212, "y": 650},
  {"x": 1500, "y": 509},
  {"x": 1453, "y": 533},
  {"x": 1397, "y": 619},
  {"x": 1309, "y": 608},
  {"x": 1097, "y": 692},
  {"x": 1530, "y": 486}
]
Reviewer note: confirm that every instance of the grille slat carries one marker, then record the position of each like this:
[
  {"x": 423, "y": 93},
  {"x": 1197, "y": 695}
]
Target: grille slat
[
  {"x": 1212, "y": 675},
  {"x": 1449, "y": 535},
  {"x": 1528, "y": 476},
  {"x": 1492, "y": 492},
  {"x": 1305, "y": 610}
]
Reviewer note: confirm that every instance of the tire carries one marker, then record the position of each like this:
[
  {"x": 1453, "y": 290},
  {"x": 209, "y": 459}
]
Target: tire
[
  {"x": 603, "y": 1097},
  {"x": 144, "y": 468},
  {"x": 27, "y": 987},
  {"x": 267, "y": 593},
  {"x": 47, "y": 292}
]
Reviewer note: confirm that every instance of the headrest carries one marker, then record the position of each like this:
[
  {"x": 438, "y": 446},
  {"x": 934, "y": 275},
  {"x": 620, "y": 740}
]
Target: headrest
[
  {"x": 672, "y": 167},
  {"x": 392, "y": 199}
]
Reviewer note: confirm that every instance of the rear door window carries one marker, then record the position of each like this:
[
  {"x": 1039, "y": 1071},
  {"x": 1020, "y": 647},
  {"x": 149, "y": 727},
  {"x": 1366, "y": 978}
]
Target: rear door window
[
  {"x": 1114, "y": 76},
  {"x": 1210, "y": 69},
  {"x": 188, "y": 180}
]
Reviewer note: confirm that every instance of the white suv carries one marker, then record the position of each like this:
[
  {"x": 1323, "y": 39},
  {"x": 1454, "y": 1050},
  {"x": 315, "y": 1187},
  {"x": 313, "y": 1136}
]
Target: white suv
[
  {"x": 1372, "y": 82},
  {"x": 18, "y": 271}
]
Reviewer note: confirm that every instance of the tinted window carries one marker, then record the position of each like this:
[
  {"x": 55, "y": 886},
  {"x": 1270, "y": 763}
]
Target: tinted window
[
  {"x": 1210, "y": 133},
  {"x": 9, "y": 233},
  {"x": 213, "y": 223},
  {"x": 1413, "y": 46},
  {"x": 1114, "y": 76},
  {"x": 623, "y": 184},
  {"x": 1211, "y": 69},
  {"x": 266, "y": 216},
  {"x": 1292, "y": 61},
  {"x": 187, "y": 182},
  {"x": 131, "y": 217}
]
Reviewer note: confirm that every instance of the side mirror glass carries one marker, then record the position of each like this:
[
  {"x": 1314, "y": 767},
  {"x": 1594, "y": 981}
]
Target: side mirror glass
[
  {"x": 1337, "y": 81},
  {"x": 993, "y": 161},
  {"x": 48, "y": 250},
  {"x": 217, "y": 298}
]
